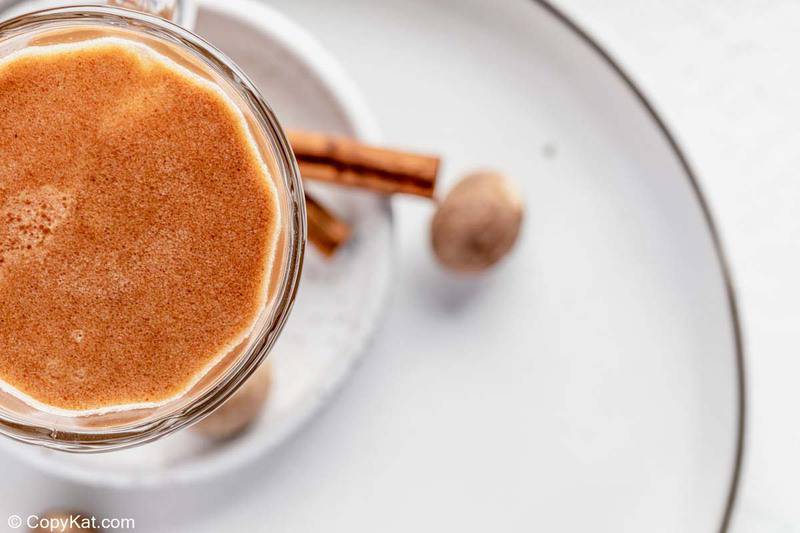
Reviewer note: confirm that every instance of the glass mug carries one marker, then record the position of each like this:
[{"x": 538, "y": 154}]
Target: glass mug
[{"x": 103, "y": 432}]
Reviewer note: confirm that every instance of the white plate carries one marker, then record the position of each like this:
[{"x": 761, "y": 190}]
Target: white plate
[
  {"x": 339, "y": 301},
  {"x": 591, "y": 383}
]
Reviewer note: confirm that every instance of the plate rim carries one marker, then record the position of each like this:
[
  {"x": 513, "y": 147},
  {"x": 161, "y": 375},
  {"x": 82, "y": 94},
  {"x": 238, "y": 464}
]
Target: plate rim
[{"x": 570, "y": 23}]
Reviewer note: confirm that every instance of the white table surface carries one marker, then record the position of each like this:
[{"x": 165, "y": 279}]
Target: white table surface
[{"x": 723, "y": 75}]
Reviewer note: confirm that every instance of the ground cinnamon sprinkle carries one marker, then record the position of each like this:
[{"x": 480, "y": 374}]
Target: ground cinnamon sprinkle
[{"x": 136, "y": 226}]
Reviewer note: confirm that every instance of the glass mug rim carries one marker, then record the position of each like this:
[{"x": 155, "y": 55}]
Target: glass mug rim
[{"x": 292, "y": 204}]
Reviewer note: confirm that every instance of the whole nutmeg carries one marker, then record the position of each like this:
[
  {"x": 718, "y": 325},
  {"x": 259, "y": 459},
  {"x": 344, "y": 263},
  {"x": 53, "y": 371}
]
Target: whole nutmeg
[
  {"x": 65, "y": 521},
  {"x": 239, "y": 410},
  {"x": 477, "y": 223}
]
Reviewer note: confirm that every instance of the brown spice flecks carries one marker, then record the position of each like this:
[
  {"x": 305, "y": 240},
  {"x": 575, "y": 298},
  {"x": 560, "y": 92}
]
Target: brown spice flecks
[{"x": 137, "y": 223}]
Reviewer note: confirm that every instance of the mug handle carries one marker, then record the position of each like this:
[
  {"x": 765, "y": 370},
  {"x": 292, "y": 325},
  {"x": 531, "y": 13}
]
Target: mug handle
[{"x": 181, "y": 12}]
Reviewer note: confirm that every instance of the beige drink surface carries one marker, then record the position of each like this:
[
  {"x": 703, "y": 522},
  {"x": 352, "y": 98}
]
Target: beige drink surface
[{"x": 137, "y": 226}]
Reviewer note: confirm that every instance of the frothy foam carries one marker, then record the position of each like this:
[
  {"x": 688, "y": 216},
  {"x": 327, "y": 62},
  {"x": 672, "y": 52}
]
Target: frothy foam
[{"x": 139, "y": 225}]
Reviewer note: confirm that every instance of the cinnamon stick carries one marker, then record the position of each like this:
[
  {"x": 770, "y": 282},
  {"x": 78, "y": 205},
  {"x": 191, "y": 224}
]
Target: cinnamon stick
[
  {"x": 325, "y": 230},
  {"x": 348, "y": 162}
]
